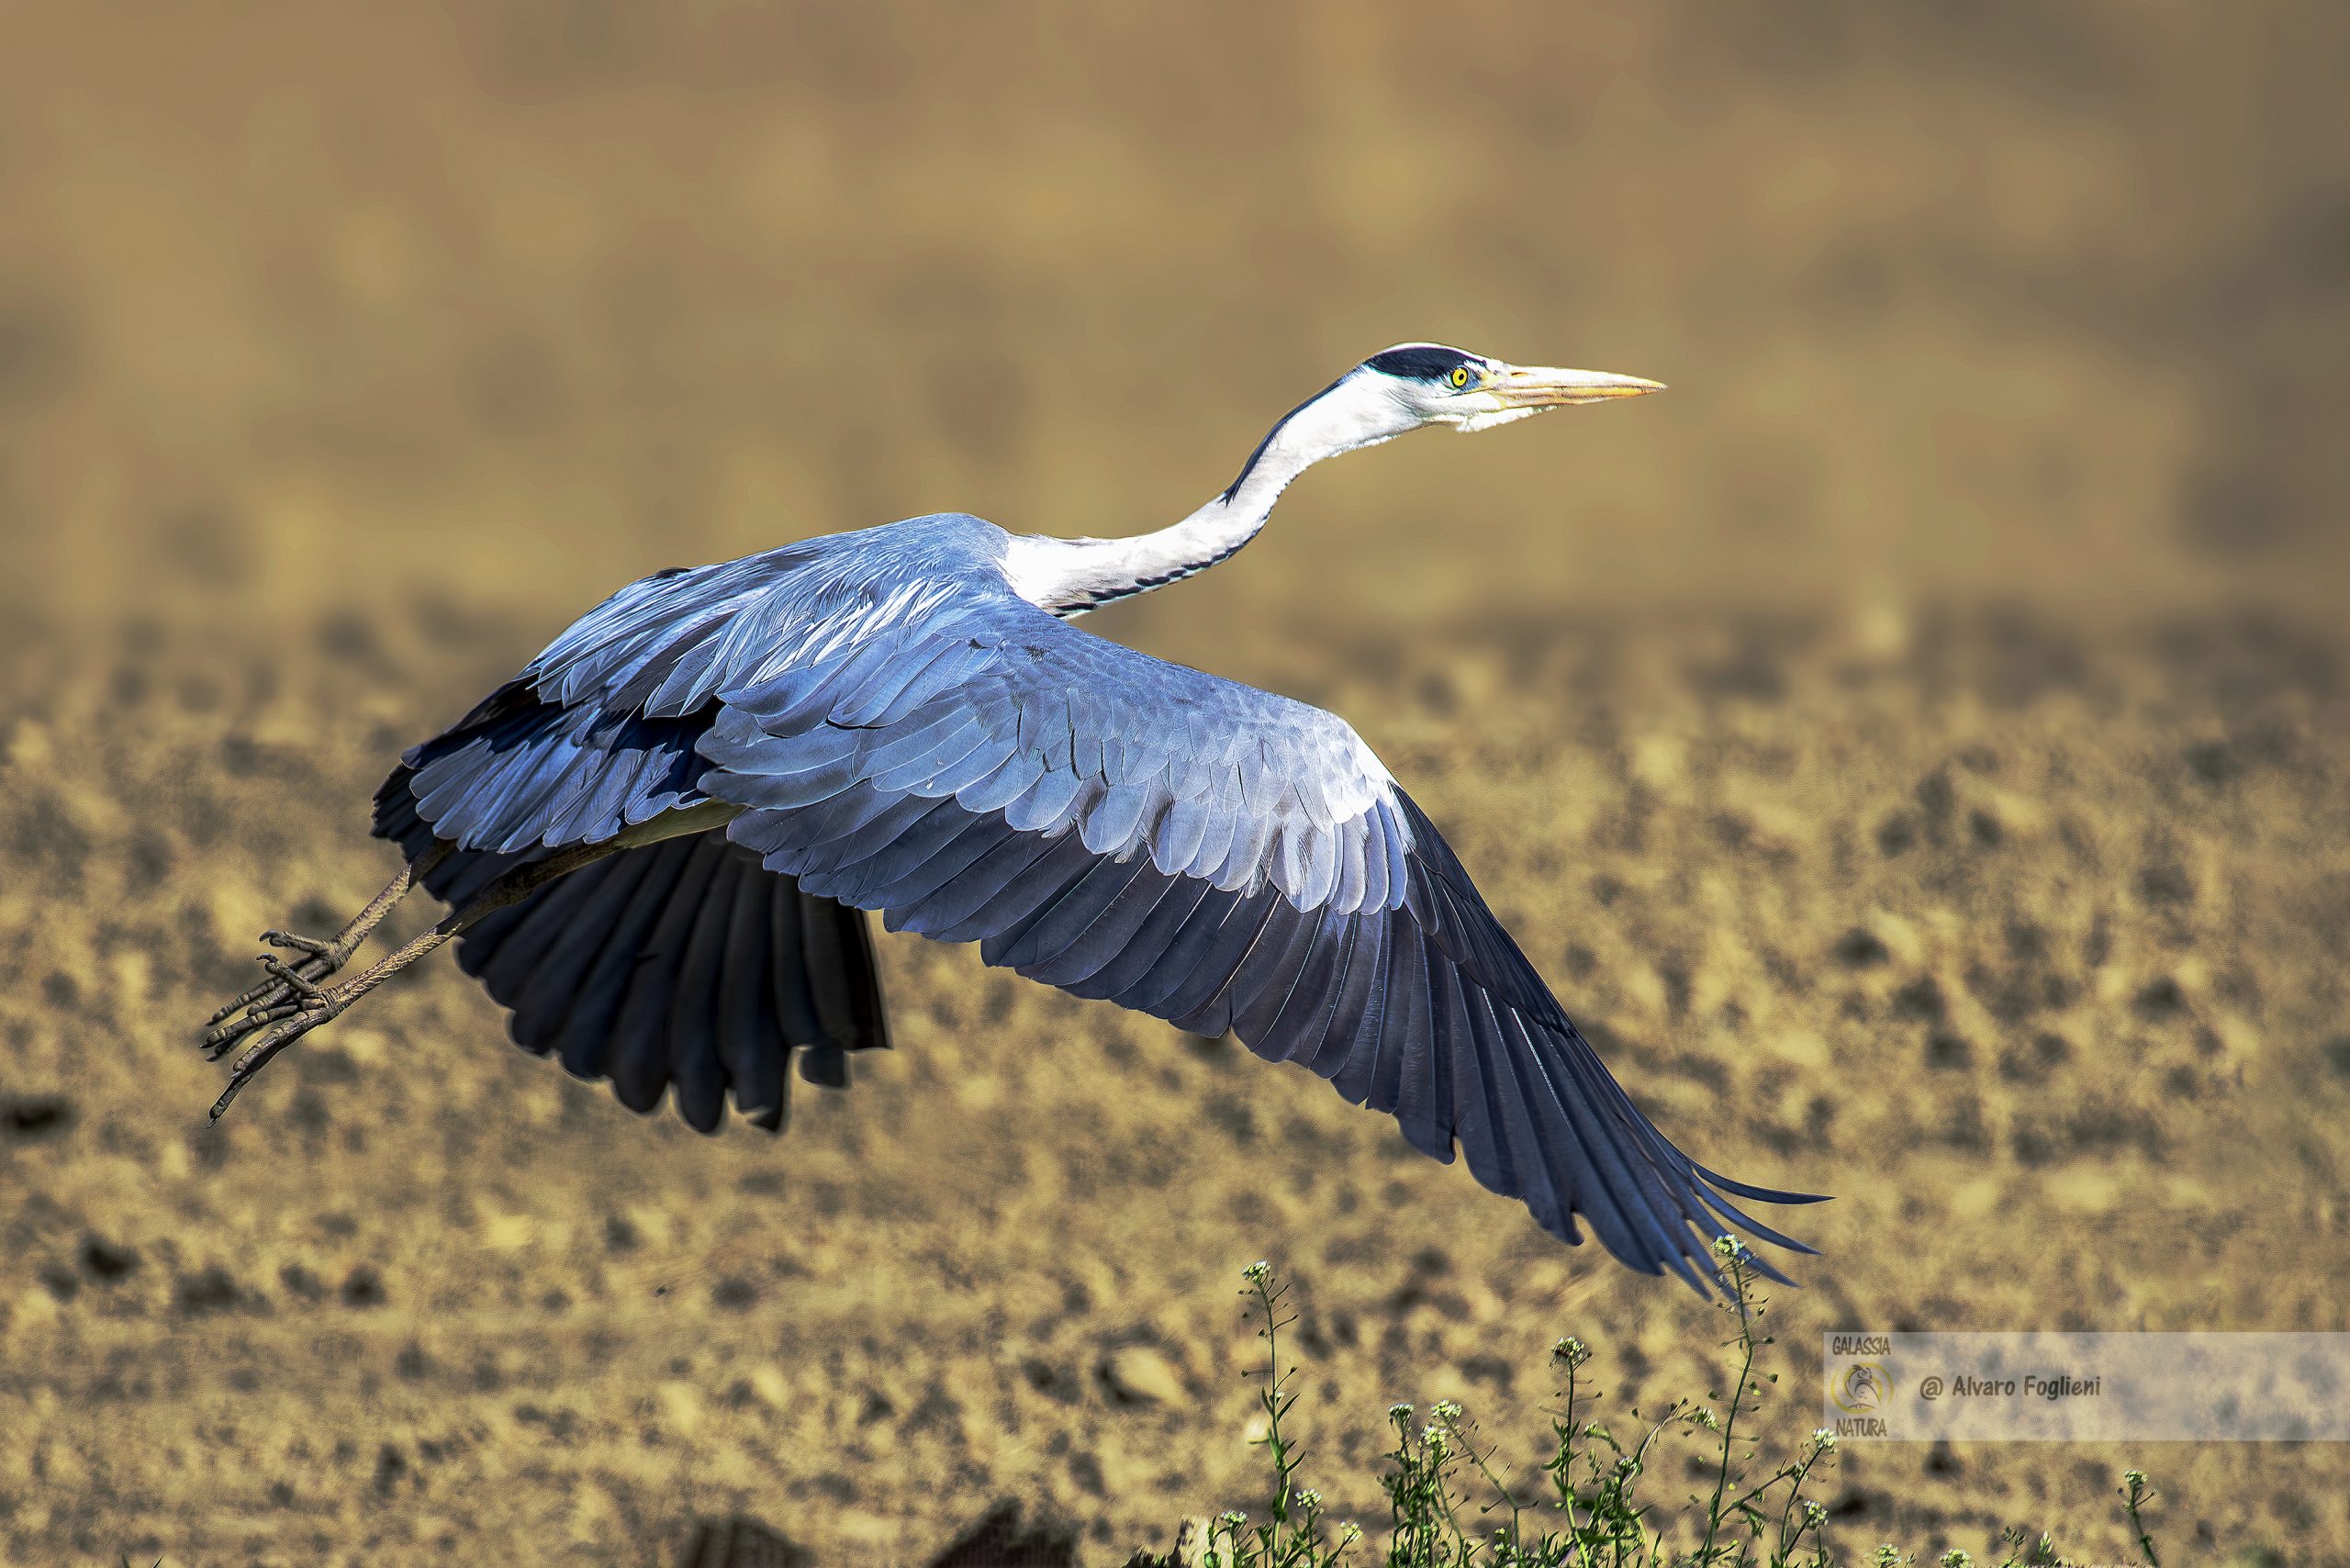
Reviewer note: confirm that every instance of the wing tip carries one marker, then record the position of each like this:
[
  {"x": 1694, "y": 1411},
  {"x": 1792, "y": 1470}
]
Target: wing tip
[{"x": 1758, "y": 1195}]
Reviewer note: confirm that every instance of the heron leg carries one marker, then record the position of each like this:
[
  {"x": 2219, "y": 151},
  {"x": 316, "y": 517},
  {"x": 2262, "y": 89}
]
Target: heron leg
[
  {"x": 310, "y": 1004},
  {"x": 296, "y": 982}
]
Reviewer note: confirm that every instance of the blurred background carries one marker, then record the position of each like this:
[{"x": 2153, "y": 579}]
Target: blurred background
[
  {"x": 1913, "y": 746},
  {"x": 504, "y": 304}
]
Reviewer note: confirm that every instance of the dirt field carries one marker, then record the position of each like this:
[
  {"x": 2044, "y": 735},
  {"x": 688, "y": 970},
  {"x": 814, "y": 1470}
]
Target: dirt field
[{"x": 1915, "y": 749}]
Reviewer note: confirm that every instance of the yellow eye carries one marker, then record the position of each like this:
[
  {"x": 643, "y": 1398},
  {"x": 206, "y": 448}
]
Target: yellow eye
[{"x": 1461, "y": 375}]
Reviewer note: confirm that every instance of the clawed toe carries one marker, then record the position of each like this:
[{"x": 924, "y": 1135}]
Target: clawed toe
[
  {"x": 298, "y": 982},
  {"x": 290, "y": 1024},
  {"x": 294, "y": 999},
  {"x": 255, "y": 997},
  {"x": 217, "y": 1039},
  {"x": 295, "y": 983},
  {"x": 299, "y": 944}
]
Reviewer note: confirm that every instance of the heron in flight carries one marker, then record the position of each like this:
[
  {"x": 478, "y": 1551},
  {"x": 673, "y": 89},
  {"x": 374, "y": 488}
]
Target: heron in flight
[{"x": 660, "y": 841}]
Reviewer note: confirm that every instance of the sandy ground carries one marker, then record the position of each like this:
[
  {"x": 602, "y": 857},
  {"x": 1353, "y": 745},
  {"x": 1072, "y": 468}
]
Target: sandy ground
[
  {"x": 1915, "y": 747},
  {"x": 2022, "y": 947}
]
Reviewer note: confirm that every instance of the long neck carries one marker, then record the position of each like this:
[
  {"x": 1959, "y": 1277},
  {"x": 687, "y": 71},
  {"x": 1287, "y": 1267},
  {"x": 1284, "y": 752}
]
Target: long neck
[{"x": 1070, "y": 576}]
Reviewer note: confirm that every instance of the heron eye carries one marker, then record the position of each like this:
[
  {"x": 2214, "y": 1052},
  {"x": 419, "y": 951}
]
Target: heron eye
[{"x": 1459, "y": 376}]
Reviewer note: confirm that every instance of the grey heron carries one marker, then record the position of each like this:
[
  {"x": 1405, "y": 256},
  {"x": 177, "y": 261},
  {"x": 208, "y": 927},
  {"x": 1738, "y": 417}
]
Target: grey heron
[{"x": 660, "y": 839}]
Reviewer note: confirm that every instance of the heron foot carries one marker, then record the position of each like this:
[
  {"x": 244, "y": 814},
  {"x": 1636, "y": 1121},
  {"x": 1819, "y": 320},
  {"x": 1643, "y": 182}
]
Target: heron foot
[
  {"x": 281, "y": 1026},
  {"x": 291, "y": 986}
]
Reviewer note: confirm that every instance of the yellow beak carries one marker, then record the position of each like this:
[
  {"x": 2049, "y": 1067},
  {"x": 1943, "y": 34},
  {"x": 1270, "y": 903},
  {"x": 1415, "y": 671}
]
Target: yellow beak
[{"x": 1537, "y": 387}]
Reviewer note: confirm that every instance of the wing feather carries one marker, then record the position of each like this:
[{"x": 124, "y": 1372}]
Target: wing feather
[{"x": 899, "y": 732}]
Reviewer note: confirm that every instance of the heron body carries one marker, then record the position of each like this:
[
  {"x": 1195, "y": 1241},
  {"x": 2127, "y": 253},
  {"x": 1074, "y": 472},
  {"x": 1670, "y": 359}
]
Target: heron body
[{"x": 663, "y": 836}]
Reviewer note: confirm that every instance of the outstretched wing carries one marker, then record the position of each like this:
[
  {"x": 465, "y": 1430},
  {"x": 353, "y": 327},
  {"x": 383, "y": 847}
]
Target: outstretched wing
[
  {"x": 1219, "y": 856},
  {"x": 905, "y": 734}
]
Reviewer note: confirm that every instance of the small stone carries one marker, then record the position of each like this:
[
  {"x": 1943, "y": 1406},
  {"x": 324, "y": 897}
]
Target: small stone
[{"x": 1138, "y": 1374}]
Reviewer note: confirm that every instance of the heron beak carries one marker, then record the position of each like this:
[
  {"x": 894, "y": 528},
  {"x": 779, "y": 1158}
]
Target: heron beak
[{"x": 1534, "y": 386}]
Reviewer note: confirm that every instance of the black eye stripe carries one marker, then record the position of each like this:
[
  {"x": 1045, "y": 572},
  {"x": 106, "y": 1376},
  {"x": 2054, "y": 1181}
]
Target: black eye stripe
[{"x": 1424, "y": 361}]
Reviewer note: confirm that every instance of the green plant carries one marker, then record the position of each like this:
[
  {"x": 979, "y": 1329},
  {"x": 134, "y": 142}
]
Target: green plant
[
  {"x": 1293, "y": 1537},
  {"x": 1594, "y": 1514},
  {"x": 2135, "y": 1495}
]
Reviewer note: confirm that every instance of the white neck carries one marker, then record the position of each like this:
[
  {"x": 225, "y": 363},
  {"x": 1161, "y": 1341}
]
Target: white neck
[{"x": 1070, "y": 576}]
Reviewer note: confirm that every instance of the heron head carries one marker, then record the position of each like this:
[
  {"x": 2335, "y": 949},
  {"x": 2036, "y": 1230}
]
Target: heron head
[
  {"x": 1439, "y": 386},
  {"x": 1409, "y": 387}
]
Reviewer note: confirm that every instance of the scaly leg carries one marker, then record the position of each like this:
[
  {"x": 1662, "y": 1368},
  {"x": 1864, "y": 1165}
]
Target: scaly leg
[
  {"x": 291, "y": 986},
  {"x": 313, "y": 1005}
]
